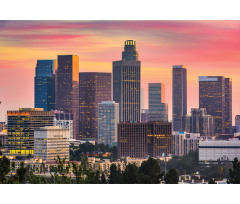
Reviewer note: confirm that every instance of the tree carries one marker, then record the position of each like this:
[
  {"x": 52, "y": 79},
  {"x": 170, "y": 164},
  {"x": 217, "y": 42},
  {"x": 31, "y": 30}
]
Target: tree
[
  {"x": 103, "y": 179},
  {"x": 4, "y": 169},
  {"x": 212, "y": 181},
  {"x": 171, "y": 177},
  {"x": 234, "y": 173},
  {"x": 150, "y": 171},
  {"x": 21, "y": 173},
  {"x": 115, "y": 175},
  {"x": 130, "y": 175}
]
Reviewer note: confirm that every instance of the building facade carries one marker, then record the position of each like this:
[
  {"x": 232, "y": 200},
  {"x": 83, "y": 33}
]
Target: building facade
[
  {"x": 21, "y": 125},
  {"x": 65, "y": 121},
  {"x": 183, "y": 143},
  {"x": 158, "y": 109},
  {"x": 215, "y": 94},
  {"x": 50, "y": 142},
  {"x": 94, "y": 87},
  {"x": 127, "y": 83},
  {"x": 67, "y": 88},
  {"x": 228, "y": 106},
  {"x": 108, "y": 118},
  {"x": 179, "y": 97},
  {"x": 237, "y": 120},
  {"x": 199, "y": 122},
  {"x": 139, "y": 140},
  {"x": 223, "y": 150},
  {"x": 144, "y": 115},
  {"x": 44, "y": 85}
]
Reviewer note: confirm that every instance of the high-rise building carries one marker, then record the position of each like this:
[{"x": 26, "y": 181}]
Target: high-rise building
[
  {"x": 237, "y": 120},
  {"x": 94, "y": 87},
  {"x": 228, "y": 106},
  {"x": 108, "y": 118},
  {"x": 67, "y": 88},
  {"x": 212, "y": 96},
  {"x": 21, "y": 125},
  {"x": 50, "y": 142},
  {"x": 138, "y": 140},
  {"x": 179, "y": 96},
  {"x": 44, "y": 85},
  {"x": 199, "y": 122},
  {"x": 142, "y": 98},
  {"x": 158, "y": 109},
  {"x": 127, "y": 83}
]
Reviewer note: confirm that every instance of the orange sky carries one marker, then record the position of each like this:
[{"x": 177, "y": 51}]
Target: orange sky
[{"x": 204, "y": 47}]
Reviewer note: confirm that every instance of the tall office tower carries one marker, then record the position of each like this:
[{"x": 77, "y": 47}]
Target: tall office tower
[
  {"x": 127, "y": 82},
  {"x": 44, "y": 82},
  {"x": 67, "y": 88},
  {"x": 199, "y": 122},
  {"x": 179, "y": 97},
  {"x": 138, "y": 140},
  {"x": 51, "y": 142},
  {"x": 21, "y": 125},
  {"x": 142, "y": 98},
  {"x": 237, "y": 120},
  {"x": 212, "y": 97},
  {"x": 158, "y": 109},
  {"x": 228, "y": 106},
  {"x": 108, "y": 118},
  {"x": 94, "y": 87}
]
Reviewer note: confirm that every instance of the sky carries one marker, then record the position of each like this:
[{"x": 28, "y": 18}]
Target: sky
[{"x": 206, "y": 48}]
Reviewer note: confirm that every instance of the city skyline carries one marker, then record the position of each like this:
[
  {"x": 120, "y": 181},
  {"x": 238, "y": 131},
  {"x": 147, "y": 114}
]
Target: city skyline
[{"x": 204, "y": 47}]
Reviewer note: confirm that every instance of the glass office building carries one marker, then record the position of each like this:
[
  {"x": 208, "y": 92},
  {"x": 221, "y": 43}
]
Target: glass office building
[
  {"x": 67, "y": 88},
  {"x": 127, "y": 83},
  {"x": 44, "y": 85},
  {"x": 21, "y": 125},
  {"x": 158, "y": 109},
  {"x": 94, "y": 87},
  {"x": 179, "y": 96}
]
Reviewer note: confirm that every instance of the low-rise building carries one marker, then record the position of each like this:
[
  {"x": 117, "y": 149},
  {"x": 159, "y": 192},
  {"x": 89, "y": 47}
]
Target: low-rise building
[{"x": 219, "y": 150}]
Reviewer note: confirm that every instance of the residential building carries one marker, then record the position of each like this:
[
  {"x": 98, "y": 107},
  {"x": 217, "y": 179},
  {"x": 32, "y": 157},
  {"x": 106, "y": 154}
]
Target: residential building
[
  {"x": 179, "y": 97},
  {"x": 139, "y": 140},
  {"x": 127, "y": 83},
  {"x": 158, "y": 109},
  {"x": 108, "y": 118},
  {"x": 44, "y": 85},
  {"x": 21, "y": 125},
  {"x": 51, "y": 142},
  {"x": 67, "y": 88},
  {"x": 183, "y": 142},
  {"x": 94, "y": 87}
]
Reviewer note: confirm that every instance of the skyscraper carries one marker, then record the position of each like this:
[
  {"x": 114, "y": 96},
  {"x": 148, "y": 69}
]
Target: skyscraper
[
  {"x": 127, "y": 82},
  {"x": 237, "y": 120},
  {"x": 44, "y": 81},
  {"x": 108, "y": 118},
  {"x": 199, "y": 122},
  {"x": 67, "y": 88},
  {"x": 228, "y": 106},
  {"x": 179, "y": 96},
  {"x": 212, "y": 97},
  {"x": 21, "y": 125},
  {"x": 158, "y": 109},
  {"x": 94, "y": 87}
]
